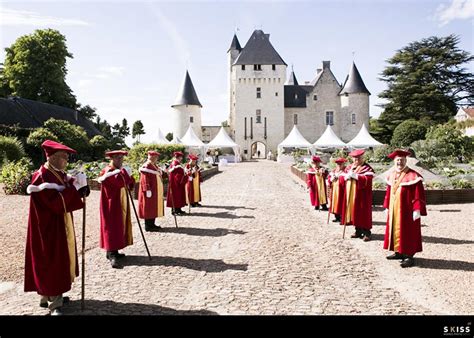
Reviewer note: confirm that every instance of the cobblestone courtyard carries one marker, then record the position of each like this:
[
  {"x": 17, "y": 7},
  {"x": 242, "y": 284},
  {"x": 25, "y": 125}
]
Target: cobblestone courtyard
[{"x": 256, "y": 247}]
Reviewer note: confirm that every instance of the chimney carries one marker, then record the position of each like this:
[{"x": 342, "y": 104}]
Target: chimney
[{"x": 326, "y": 64}]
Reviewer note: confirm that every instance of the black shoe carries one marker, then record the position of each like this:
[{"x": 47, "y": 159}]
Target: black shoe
[
  {"x": 152, "y": 228},
  {"x": 396, "y": 255},
  {"x": 316, "y": 208},
  {"x": 198, "y": 205},
  {"x": 407, "y": 262},
  {"x": 115, "y": 254},
  {"x": 57, "y": 312},
  {"x": 357, "y": 234},
  {"x": 324, "y": 207},
  {"x": 45, "y": 304},
  {"x": 181, "y": 212},
  {"x": 114, "y": 263},
  {"x": 367, "y": 238}
]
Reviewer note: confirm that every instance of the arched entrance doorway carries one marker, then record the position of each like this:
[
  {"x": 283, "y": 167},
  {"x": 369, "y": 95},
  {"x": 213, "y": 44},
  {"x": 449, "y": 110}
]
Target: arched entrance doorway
[{"x": 258, "y": 150}]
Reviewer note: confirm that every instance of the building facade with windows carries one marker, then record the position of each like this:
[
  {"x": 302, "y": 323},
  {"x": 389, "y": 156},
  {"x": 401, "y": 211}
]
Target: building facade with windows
[{"x": 264, "y": 104}]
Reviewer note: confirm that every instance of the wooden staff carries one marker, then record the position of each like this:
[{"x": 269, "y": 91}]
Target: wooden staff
[
  {"x": 83, "y": 277},
  {"x": 138, "y": 221}
]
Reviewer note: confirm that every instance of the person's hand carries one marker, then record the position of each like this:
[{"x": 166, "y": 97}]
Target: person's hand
[
  {"x": 80, "y": 180},
  {"x": 416, "y": 214},
  {"x": 148, "y": 193},
  {"x": 348, "y": 176},
  {"x": 190, "y": 179}
]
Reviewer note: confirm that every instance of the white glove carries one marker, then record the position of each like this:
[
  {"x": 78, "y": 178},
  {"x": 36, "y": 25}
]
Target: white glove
[
  {"x": 190, "y": 179},
  {"x": 353, "y": 175},
  {"x": 128, "y": 170},
  {"x": 348, "y": 176},
  {"x": 416, "y": 215},
  {"x": 80, "y": 180},
  {"x": 148, "y": 193}
]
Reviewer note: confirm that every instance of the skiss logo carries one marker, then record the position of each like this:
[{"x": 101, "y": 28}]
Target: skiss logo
[{"x": 457, "y": 330}]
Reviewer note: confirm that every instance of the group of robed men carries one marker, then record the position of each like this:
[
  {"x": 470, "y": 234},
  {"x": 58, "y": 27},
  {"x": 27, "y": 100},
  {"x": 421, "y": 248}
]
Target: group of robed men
[
  {"x": 51, "y": 263},
  {"x": 348, "y": 190}
]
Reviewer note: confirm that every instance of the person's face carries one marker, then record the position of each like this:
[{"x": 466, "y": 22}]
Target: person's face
[
  {"x": 179, "y": 158},
  {"x": 339, "y": 166},
  {"x": 358, "y": 160},
  {"x": 193, "y": 162},
  {"x": 117, "y": 161},
  {"x": 316, "y": 163},
  {"x": 400, "y": 162},
  {"x": 59, "y": 159},
  {"x": 153, "y": 158}
]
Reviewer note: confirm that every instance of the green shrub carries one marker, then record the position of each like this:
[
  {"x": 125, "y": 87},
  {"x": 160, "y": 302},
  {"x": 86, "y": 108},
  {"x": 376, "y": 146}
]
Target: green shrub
[
  {"x": 459, "y": 145},
  {"x": 379, "y": 185},
  {"x": 70, "y": 135},
  {"x": 432, "y": 153},
  {"x": 408, "y": 132},
  {"x": 11, "y": 149},
  {"x": 33, "y": 144},
  {"x": 380, "y": 154},
  {"x": 435, "y": 185},
  {"x": 461, "y": 183},
  {"x": 16, "y": 176},
  {"x": 99, "y": 145}
]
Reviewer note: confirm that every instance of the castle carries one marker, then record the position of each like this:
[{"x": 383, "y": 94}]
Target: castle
[{"x": 264, "y": 104}]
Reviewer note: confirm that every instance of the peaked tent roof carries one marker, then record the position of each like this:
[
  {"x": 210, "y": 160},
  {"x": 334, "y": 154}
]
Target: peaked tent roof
[
  {"x": 222, "y": 140},
  {"x": 187, "y": 95},
  {"x": 235, "y": 44},
  {"x": 295, "y": 139},
  {"x": 292, "y": 81},
  {"x": 354, "y": 83},
  {"x": 190, "y": 138},
  {"x": 329, "y": 139},
  {"x": 259, "y": 50},
  {"x": 161, "y": 139},
  {"x": 176, "y": 140},
  {"x": 363, "y": 139}
]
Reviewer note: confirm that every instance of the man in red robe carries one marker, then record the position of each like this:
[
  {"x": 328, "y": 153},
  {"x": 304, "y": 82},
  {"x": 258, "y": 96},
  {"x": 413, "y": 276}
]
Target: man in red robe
[
  {"x": 404, "y": 204},
  {"x": 357, "y": 203},
  {"x": 51, "y": 254},
  {"x": 316, "y": 182},
  {"x": 336, "y": 189},
  {"x": 176, "y": 194},
  {"x": 193, "y": 185},
  {"x": 150, "y": 193},
  {"x": 115, "y": 211}
]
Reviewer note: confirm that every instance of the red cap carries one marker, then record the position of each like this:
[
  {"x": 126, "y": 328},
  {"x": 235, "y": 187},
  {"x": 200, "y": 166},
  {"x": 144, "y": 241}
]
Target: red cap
[
  {"x": 316, "y": 159},
  {"x": 50, "y": 147},
  {"x": 177, "y": 153},
  {"x": 153, "y": 153},
  {"x": 193, "y": 157},
  {"x": 116, "y": 152},
  {"x": 340, "y": 160},
  {"x": 357, "y": 153},
  {"x": 399, "y": 153}
]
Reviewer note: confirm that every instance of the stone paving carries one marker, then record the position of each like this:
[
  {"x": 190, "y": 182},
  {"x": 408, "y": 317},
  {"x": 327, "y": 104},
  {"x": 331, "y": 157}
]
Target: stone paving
[{"x": 256, "y": 247}]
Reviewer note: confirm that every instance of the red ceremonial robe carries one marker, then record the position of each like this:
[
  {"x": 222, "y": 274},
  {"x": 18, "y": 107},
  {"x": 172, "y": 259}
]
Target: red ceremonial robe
[
  {"x": 193, "y": 187},
  {"x": 51, "y": 256},
  {"x": 115, "y": 213},
  {"x": 357, "y": 202},
  {"x": 176, "y": 195},
  {"x": 336, "y": 192},
  {"x": 404, "y": 195},
  {"x": 150, "y": 180},
  {"x": 317, "y": 186}
]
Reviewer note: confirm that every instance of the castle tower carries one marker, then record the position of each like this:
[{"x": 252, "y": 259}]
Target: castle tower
[
  {"x": 354, "y": 104},
  {"x": 233, "y": 52},
  {"x": 187, "y": 109},
  {"x": 257, "y": 76}
]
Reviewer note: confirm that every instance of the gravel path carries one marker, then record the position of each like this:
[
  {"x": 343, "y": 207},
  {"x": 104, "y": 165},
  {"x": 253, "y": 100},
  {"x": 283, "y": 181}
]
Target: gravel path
[{"x": 256, "y": 247}]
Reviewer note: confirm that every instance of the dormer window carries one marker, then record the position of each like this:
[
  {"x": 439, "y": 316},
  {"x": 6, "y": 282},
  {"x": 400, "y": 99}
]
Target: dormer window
[
  {"x": 243, "y": 67},
  {"x": 257, "y": 67},
  {"x": 273, "y": 67}
]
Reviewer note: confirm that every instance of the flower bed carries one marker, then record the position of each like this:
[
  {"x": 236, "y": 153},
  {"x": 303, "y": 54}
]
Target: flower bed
[{"x": 435, "y": 196}]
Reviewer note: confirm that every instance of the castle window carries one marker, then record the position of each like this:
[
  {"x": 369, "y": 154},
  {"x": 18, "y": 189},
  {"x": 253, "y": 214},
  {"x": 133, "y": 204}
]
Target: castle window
[
  {"x": 259, "y": 93},
  {"x": 276, "y": 93},
  {"x": 257, "y": 67},
  {"x": 353, "y": 118},
  {"x": 329, "y": 118},
  {"x": 315, "y": 97},
  {"x": 258, "y": 116},
  {"x": 191, "y": 119},
  {"x": 243, "y": 67},
  {"x": 295, "y": 119},
  {"x": 273, "y": 67}
]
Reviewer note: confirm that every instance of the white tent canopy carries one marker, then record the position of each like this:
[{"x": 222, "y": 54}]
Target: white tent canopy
[
  {"x": 176, "y": 140},
  {"x": 329, "y": 139},
  {"x": 222, "y": 140},
  {"x": 363, "y": 139},
  {"x": 190, "y": 139},
  {"x": 161, "y": 139},
  {"x": 294, "y": 140}
]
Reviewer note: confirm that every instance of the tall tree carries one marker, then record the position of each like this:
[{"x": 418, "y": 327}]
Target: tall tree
[
  {"x": 35, "y": 68},
  {"x": 87, "y": 111},
  {"x": 138, "y": 130},
  {"x": 426, "y": 80},
  {"x": 124, "y": 129}
]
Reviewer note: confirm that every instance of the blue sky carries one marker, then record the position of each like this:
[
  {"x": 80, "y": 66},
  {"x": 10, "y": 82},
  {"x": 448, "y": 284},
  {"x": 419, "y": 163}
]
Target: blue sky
[{"x": 130, "y": 57}]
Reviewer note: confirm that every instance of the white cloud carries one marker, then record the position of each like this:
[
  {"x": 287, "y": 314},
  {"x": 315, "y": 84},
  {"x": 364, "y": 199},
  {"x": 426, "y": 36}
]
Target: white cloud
[
  {"x": 458, "y": 9},
  {"x": 12, "y": 17}
]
